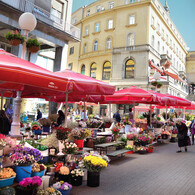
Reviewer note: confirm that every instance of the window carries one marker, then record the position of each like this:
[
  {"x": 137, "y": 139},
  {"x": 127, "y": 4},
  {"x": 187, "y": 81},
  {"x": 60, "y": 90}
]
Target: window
[
  {"x": 93, "y": 69},
  {"x": 131, "y": 19},
  {"x": 132, "y": 1},
  {"x": 86, "y": 30},
  {"x": 97, "y": 27},
  {"x": 70, "y": 66},
  {"x": 158, "y": 27},
  {"x": 126, "y": 1},
  {"x": 108, "y": 43},
  {"x": 95, "y": 46},
  {"x": 106, "y": 71},
  {"x": 152, "y": 42},
  {"x": 98, "y": 9},
  {"x": 158, "y": 46},
  {"x": 44, "y": 62},
  {"x": 111, "y": 5},
  {"x": 83, "y": 69},
  {"x": 85, "y": 48},
  {"x": 131, "y": 39},
  {"x": 110, "y": 24},
  {"x": 88, "y": 12},
  {"x": 71, "y": 51},
  {"x": 129, "y": 69},
  {"x": 153, "y": 20}
]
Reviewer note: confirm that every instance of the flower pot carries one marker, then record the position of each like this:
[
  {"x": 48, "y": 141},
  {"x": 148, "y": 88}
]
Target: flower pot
[
  {"x": 37, "y": 132},
  {"x": 40, "y": 174},
  {"x": 33, "y": 49},
  {"x": 64, "y": 178},
  {"x": 93, "y": 179},
  {"x": 142, "y": 151},
  {"x": 46, "y": 129},
  {"x": 79, "y": 143},
  {"x": 64, "y": 192},
  {"x": 107, "y": 124},
  {"x": 76, "y": 181},
  {"x": 129, "y": 152},
  {"x": 6, "y": 182},
  {"x": 25, "y": 192},
  {"x": 164, "y": 136},
  {"x": 115, "y": 137},
  {"x": 22, "y": 172},
  {"x": 15, "y": 42},
  {"x": 61, "y": 146}
]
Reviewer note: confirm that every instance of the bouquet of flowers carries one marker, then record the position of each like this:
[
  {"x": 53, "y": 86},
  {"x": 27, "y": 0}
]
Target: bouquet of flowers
[
  {"x": 141, "y": 148},
  {"x": 169, "y": 123},
  {"x": 62, "y": 186},
  {"x": 132, "y": 136},
  {"x": 36, "y": 127},
  {"x": 3, "y": 142},
  {"x": 143, "y": 139},
  {"x": 115, "y": 130},
  {"x": 38, "y": 167},
  {"x": 120, "y": 125},
  {"x": 44, "y": 122},
  {"x": 157, "y": 124},
  {"x": 94, "y": 123},
  {"x": 129, "y": 147},
  {"x": 165, "y": 133},
  {"x": 57, "y": 166},
  {"x": 94, "y": 163},
  {"x": 174, "y": 132},
  {"x": 62, "y": 133},
  {"x": 77, "y": 172},
  {"x": 70, "y": 148},
  {"x": 82, "y": 124},
  {"x": 49, "y": 191},
  {"x": 7, "y": 173},
  {"x": 28, "y": 184},
  {"x": 24, "y": 155},
  {"x": 79, "y": 133}
]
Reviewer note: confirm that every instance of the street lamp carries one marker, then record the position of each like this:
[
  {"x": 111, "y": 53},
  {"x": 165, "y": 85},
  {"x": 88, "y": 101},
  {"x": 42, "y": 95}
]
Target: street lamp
[{"x": 27, "y": 22}]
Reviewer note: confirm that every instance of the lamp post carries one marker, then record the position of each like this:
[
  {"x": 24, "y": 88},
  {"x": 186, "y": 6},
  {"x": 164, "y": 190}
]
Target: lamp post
[{"x": 27, "y": 22}]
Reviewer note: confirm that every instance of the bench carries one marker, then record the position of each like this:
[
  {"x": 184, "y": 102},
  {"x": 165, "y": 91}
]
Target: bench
[{"x": 117, "y": 152}]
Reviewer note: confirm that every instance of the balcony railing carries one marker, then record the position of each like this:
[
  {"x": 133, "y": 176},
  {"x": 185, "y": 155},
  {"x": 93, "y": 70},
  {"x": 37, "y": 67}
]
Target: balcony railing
[{"x": 44, "y": 16}]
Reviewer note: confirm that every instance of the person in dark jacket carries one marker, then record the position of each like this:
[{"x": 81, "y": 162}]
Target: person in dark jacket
[
  {"x": 192, "y": 129},
  {"x": 61, "y": 117},
  {"x": 5, "y": 124},
  {"x": 117, "y": 116},
  {"x": 182, "y": 135},
  {"x": 39, "y": 114}
]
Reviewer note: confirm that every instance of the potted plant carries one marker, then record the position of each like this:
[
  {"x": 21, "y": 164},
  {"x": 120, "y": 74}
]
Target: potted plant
[
  {"x": 38, "y": 169},
  {"x": 28, "y": 186},
  {"x": 165, "y": 134},
  {"x": 130, "y": 148},
  {"x": 77, "y": 177},
  {"x": 7, "y": 176},
  {"x": 14, "y": 38},
  {"x": 33, "y": 45},
  {"x": 159, "y": 85},
  {"x": 23, "y": 158},
  {"x": 69, "y": 149},
  {"x": 115, "y": 132},
  {"x": 108, "y": 121},
  {"x": 141, "y": 149},
  {"x": 45, "y": 123},
  {"x": 143, "y": 140},
  {"x": 154, "y": 83},
  {"x": 49, "y": 191},
  {"x": 94, "y": 164},
  {"x": 63, "y": 187},
  {"x": 61, "y": 172}
]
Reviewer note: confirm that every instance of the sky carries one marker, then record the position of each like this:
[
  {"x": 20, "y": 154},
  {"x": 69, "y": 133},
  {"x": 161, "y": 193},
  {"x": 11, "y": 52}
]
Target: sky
[{"x": 182, "y": 13}]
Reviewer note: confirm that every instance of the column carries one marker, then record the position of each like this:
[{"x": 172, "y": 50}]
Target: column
[{"x": 15, "y": 126}]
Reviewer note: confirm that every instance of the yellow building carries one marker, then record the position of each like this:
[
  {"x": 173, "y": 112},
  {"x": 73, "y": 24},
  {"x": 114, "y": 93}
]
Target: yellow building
[
  {"x": 190, "y": 70},
  {"x": 120, "y": 37}
]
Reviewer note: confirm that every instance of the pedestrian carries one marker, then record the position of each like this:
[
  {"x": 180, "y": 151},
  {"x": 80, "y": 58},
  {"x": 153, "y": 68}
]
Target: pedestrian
[
  {"x": 61, "y": 118},
  {"x": 84, "y": 115},
  {"x": 4, "y": 123},
  {"x": 117, "y": 116},
  {"x": 131, "y": 117},
  {"x": 182, "y": 135},
  {"x": 39, "y": 114},
  {"x": 9, "y": 112},
  {"x": 192, "y": 129}
]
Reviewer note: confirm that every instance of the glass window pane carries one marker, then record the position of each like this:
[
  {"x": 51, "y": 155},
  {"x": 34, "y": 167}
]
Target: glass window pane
[
  {"x": 106, "y": 71},
  {"x": 129, "y": 69}
]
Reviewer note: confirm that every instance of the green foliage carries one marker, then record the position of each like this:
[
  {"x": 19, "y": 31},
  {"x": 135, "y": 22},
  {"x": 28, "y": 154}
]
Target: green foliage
[
  {"x": 90, "y": 116},
  {"x": 99, "y": 140},
  {"x": 123, "y": 139},
  {"x": 34, "y": 123},
  {"x": 35, "y": 145},
  {"x": 158, "y": 118},
  {"x": 22, "y": 116},
  {"x": 7, "y": 190},
  {"x": 32, "y": 42},
  {"x": 159, "y": 85},
  {"x": 14, "y": 35},
  {"x": 164, "y": 115},
  {"x": 189, "y": 117},
  {"x": 141, "y": 117},
  {"x": 154, "y": 83}
]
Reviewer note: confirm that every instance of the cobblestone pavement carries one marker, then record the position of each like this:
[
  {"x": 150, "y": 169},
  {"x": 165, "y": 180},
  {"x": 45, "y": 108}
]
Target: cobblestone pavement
[{"x": 163, "y": 172}]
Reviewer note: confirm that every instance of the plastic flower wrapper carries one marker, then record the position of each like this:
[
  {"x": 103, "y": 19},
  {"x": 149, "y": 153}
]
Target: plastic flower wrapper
[
  {"x": 66, "y": 186},
  {"x": 57, "y": 185},
  {"x": 70, "y": 148}
]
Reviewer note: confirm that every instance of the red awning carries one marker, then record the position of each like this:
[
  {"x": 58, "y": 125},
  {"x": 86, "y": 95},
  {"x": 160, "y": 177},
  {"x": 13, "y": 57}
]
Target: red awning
[
  {"x": 153, "y": 65},
  {"x": 180, "y": 101}
]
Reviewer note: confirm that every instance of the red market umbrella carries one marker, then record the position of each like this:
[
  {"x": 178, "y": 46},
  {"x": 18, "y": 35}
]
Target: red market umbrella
[{"x": 180, "y": 101}]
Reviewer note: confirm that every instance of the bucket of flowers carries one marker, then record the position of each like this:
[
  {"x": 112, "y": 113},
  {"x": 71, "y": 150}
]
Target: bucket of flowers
[
  {"x": 165, "y": 134},
  {"x": 23, "y": 158},
  {"x": 121, "y": 126},
  {"x": 63, "y": 187},
  {"x": 174, "y": 133},
  {"x": 69, "y": 149},
  {"x": 130, "y": 148},
  {"x": 49, "y": 191},
  {"x": 62, "y": 173},
  {"x": 143, "y": 140},
  {"x": 150, "y": 149},
  {"x": 38, "y": 170},
  {"x": 115, "y": 132},
  {"x": 7, "y": 176},
  {"x": 77, "y": 177},
  {"x": 36, "y": 129},
  {"x": 29, "y": 185},
  {"x": 141, "y": 150}
]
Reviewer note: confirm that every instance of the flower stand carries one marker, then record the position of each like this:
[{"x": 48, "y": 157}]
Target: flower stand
[
  {"x": 79, "y": 143},
  {"x": 164, "y": 136},
  {"x": 22, "y": 172},
  {"x": 93, "y": 179},
  {"x": 76, "y": 181}
]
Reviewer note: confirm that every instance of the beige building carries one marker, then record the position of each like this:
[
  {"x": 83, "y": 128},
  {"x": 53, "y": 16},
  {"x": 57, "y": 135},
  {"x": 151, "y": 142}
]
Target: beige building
[{"x": 124, "y": 42}]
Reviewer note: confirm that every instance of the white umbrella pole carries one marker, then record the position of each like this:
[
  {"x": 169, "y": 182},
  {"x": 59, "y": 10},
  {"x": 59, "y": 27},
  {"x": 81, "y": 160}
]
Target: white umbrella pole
[
  {"x": 66, "y": 108},
  {"x": 84, "y": 111},
  {"x": 49, "y": 106},
  {"x": 184, "y": 112},
  {"x": 166, "y": 113},
  {"x": 109, "y": 110},
  {"x": 1, "y": 100}
]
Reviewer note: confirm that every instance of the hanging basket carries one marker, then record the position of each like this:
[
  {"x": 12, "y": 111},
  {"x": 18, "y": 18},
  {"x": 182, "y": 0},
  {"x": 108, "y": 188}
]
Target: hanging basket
[
  {"x": 33, "y": 49},
  {"x": 15, "y": 42}
]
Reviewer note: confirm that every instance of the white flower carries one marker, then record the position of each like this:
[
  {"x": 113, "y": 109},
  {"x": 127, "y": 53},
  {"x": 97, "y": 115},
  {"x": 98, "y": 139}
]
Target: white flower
[{"x": 57, "y": 185}]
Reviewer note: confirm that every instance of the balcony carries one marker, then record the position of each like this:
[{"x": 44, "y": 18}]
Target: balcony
[
  {"x": 43, "y": 17},
  {"x": 182, "y": 74}
]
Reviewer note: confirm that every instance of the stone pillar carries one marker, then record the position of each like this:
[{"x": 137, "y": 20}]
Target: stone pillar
[
  {"x": 15, "y": 126},
  {"x": 58, "y": 59}
]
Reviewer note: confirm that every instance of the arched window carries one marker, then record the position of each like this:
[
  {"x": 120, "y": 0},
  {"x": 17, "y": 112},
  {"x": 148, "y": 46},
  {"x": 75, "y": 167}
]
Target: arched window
[
  {"x": 95, "y": 46},
  {"x": 93, "y": 69},
  {"x": 83, "y": 69},
  {"x": 106, "y": 71},
  {"x": 108, "y": 43},
  {"x": 85, "y": 48},
  {"x": 129, "y": 69},
  {"x": 152, "y": 42},
  {"x": 131, "y": 39}
]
